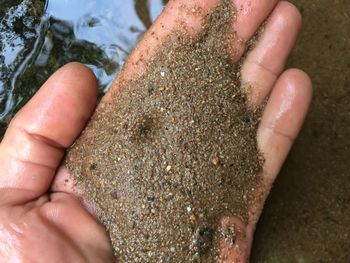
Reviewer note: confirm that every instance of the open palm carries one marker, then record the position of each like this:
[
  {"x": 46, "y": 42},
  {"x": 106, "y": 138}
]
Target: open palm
[{"x": 42, "y": 218}]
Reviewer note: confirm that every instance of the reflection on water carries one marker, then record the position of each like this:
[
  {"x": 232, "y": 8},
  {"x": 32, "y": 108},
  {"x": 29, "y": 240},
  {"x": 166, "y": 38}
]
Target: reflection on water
[
  {"x": 19, "y": 30},
  {"x": 38, "y": 37}
]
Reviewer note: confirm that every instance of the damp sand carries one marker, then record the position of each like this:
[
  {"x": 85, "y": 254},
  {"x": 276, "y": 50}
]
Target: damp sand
[{"x": 174, "y": 151}]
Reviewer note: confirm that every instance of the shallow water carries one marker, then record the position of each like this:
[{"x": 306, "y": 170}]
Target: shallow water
[
  {"x": 98, "y": 33},
  {"x": 307, "y": 216}
]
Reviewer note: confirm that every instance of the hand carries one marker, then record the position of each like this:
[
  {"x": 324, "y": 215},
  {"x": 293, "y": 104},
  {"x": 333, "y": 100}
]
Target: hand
[
  {"x": 37, "y": 224},
  {"x": 41, "y": 217}
]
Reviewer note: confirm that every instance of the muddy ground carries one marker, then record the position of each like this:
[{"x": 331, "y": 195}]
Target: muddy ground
[{"x": 307, "y": 216}]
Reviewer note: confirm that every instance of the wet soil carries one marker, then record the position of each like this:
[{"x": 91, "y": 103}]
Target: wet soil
[
  {"x": 307, "y": 216},
  {"x": 174, "y": 152}
]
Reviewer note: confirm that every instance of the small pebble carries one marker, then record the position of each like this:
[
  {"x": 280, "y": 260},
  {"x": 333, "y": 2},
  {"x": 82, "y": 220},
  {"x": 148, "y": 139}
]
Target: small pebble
[
  {"x": 216, "y": 160},
  {"x": 189, "y": 209}
]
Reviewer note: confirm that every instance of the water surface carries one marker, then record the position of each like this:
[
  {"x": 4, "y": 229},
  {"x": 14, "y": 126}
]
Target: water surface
[{"x": 38, "y": 37}]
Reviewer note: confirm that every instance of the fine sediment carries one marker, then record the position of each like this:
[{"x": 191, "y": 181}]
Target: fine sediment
[{"x": 173, "y": 151}]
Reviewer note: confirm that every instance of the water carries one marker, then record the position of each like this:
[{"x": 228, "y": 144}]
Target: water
[{"x": 38, "y": 37}]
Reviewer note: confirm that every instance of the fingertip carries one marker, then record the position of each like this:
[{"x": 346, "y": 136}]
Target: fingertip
[
  {"x": 283, "y": 118},
  {"x": 289, "y": 13},
  {"x": 61, "y": 107},
  {"x": 288, "y": 104},
  {"x": 63, "y": 209},
  {"x": 79, "y": 73},
  {"x": 299, "y": 77},
  {"x": 65, "y": 183},
  {"x": 301, "y": 82},
  {"x": 235, "y": 241}
]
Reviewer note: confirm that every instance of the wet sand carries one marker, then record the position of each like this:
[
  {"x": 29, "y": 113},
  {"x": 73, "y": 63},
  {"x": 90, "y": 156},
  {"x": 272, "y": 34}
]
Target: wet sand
[
  {"x": 174, "y": 152},
  {"x": 307, "y": 216}
]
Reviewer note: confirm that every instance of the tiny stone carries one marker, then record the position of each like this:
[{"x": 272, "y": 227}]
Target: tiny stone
[
  {"x": 93, "y": 166},
  {"x": 162, "y": 73},
  {"x": 114, "y": 194},
  {"x": 168, "y": 168},
  {"x": 216, "y": 160},
  {"x": 193, "y": 218}
]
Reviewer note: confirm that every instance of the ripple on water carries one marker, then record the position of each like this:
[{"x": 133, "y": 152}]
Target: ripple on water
[{"x": 38, "y": 37}]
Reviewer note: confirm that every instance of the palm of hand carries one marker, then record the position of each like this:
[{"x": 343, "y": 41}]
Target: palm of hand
[{"x": 54, "y": 227}]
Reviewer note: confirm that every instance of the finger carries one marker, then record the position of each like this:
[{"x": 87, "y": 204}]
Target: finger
[
  {"x": 64, "y": 183},
  {"x": 63, "y": 209},
  {"x": 38, "y": 135},
  {"x": 178, "y": 17},
  {"x": 235, "y": 244},
  {"x": 282, "y": 119},
  {"x": 186, "y": 17},
  {"x": 250, "y": 15},
  {"x": 281, "y": 122},
  {"x": 267, "y": 60}
]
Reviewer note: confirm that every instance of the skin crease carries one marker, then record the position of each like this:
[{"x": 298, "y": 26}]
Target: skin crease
[
  {"x": 266, "y": 61},
  {"x": 42, "y": 216}
]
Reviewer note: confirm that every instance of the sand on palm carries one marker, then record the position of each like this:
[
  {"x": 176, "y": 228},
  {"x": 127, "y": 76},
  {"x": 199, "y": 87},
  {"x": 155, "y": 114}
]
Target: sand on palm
[{"x": 173, "y": 151}]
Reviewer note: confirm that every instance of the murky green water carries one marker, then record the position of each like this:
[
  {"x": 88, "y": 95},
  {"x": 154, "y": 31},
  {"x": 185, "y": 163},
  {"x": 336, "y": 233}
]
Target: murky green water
[{"x": 307, "y": 216}]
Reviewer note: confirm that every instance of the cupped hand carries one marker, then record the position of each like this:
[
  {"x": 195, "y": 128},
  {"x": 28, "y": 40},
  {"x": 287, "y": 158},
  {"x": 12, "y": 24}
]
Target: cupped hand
[{"x": 42, "y": 219}]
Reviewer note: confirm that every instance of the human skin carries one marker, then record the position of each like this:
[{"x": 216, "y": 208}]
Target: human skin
[{"x": 42, "y": 214}]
